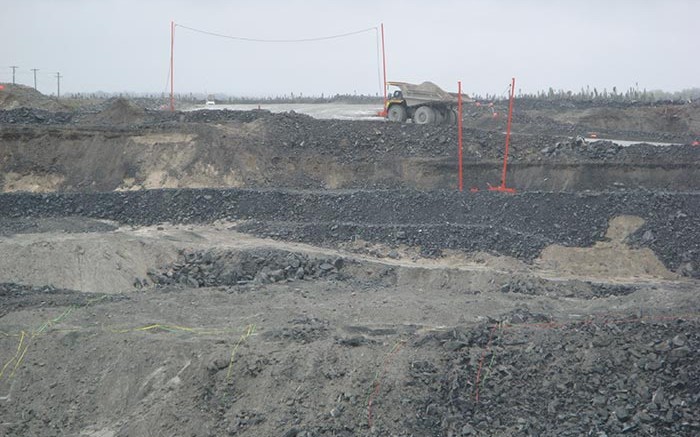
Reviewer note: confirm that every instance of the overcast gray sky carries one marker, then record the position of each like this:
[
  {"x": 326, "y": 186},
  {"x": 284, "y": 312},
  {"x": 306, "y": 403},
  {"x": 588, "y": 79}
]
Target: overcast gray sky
[{"x": 124, "y": 45}]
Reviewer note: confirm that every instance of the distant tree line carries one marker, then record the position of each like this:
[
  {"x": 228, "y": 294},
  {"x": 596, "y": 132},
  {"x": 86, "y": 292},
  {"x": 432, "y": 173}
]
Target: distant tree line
[
  {"x": 588, "y": 94},
  {"x": 585, "y": 94},
  {"x": 196, "y": 98}
]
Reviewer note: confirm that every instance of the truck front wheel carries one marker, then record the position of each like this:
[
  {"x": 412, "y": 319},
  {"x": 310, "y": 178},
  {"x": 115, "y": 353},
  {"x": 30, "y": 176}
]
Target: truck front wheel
[{"x": 397, "y": 113}]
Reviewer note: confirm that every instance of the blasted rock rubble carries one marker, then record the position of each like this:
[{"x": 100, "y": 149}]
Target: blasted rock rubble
[
  {"x": 211, "y": 269},
  {"x": 519, "y": 226},
  {"x": 348, "y": 140},
  {"x": 30, "y": 116},
  {"x": 576, "y": 379}
]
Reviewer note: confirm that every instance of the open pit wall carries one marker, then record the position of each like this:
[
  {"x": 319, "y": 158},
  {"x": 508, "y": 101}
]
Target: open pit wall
[{"x": 297, "y": 152}]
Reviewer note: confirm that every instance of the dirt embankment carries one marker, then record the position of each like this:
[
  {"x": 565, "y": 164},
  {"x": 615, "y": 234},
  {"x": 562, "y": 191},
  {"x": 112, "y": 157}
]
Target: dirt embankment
[{"x": 124, "y": 148}]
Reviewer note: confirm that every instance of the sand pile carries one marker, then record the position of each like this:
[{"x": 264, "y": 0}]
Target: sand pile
[
  {"x": 21, "y": 96},
  {"x": 118, "y": 111}
]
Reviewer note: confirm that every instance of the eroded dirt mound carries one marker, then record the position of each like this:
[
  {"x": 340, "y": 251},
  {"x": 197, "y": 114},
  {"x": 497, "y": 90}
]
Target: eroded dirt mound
[
  {"x": 20, "y": 96},
  {"x": 118, "y": 112}
]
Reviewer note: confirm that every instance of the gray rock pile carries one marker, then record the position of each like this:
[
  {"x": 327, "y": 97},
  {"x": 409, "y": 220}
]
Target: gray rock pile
[
  {"x": 632, "y": 377},
  {"x": 224, "y": 268},
  {"x": 29, "y": 116}
]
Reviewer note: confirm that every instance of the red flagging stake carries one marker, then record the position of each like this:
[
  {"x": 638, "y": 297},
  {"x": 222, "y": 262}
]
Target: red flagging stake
[
  {"x": 172, "y": 72},
  {"x": 383, "y": 113},
  {"x": 503, "y": 187},
  {"x": 459, "y": 136}
]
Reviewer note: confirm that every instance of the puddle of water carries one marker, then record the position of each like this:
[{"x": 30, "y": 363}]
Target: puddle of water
[
  {"x": 626, "y": 143},
  {"x": 337, "y": 111}
]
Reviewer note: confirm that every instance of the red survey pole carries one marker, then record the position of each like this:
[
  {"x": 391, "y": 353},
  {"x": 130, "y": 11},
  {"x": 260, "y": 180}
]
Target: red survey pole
[
  {"x": 172, "y": 64},
  {"x": 383, "y": 113},
  {"x": 510, "y": 120},
  {"x": 459, "y": 135},
  {"x": 503, "y": 187}
]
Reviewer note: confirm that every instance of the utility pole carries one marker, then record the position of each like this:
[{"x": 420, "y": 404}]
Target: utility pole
[
  {"x": 13, "y": 67},
  {"x": 35, "y": 70},
  {"x": 58, "y": 85}
]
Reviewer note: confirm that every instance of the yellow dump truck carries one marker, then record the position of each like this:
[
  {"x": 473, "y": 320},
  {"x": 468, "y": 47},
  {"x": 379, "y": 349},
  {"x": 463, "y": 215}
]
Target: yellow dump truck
[{"x": 426, "y": 103}]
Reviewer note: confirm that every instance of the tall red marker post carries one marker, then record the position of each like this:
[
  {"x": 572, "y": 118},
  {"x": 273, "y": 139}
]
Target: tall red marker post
[
  {"x": 459, "y": 135},
  {"x": 172, "y": 72},
  {"x": 503, "y": 187},
  {"x": 383, "y": 111}
]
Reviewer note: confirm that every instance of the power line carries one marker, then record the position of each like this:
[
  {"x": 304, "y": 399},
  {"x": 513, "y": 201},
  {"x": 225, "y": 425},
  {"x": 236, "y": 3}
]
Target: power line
[
  {"x": 241, "y": 38},
  {"x": 169, "y": 80}
]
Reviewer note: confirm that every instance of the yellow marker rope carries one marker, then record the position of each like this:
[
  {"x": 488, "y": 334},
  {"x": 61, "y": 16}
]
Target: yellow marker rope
[
  {"x": 22, "y": 347},
  {"x": 17, "y": 354},
  {"x": 171, "y": 328},
  {"x": 250, "y": 330}
]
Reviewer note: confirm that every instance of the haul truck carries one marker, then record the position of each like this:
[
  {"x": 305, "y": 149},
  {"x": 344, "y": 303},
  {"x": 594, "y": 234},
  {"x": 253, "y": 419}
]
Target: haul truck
[{"x": 426, "y": 103}]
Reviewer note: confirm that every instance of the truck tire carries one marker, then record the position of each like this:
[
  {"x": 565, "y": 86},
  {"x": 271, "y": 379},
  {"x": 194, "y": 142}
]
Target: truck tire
[
  {"x": 424, "y": 115},
  {"x": 397, "y": 113},
  {"x": 451, "y": 116},
  {"x": 440, "y": 116}
]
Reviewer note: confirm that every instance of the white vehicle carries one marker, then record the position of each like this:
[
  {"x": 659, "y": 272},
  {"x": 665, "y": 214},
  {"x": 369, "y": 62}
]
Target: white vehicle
[{"x": 210, "y": 103}]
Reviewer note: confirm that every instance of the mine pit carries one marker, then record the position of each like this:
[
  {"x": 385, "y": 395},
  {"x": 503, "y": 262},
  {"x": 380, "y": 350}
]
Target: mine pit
[{"x": 229, "y": 272}]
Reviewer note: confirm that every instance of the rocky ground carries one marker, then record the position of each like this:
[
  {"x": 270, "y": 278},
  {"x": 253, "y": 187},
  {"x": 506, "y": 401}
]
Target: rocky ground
[{"x": 215, "y": 273}]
